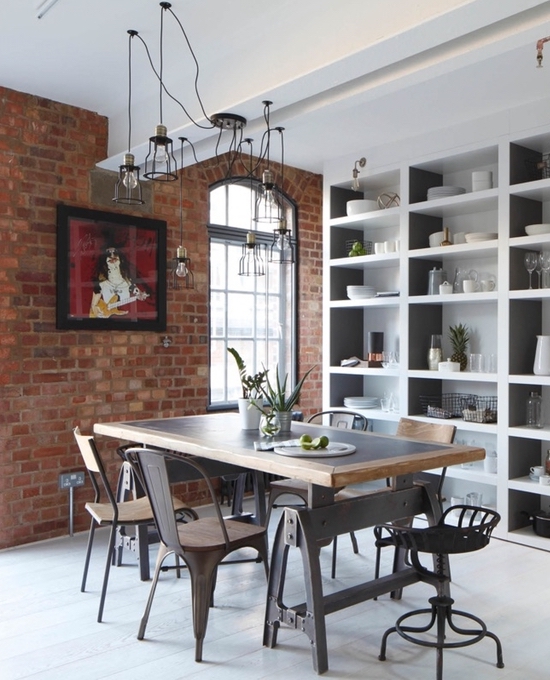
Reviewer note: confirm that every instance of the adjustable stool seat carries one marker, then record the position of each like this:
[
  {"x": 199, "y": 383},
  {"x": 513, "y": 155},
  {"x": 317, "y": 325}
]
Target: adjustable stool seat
[{"x": 472, "y": 532}]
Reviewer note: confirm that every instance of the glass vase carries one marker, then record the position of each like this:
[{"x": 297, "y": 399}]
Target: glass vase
[{"x": 270, "y": 425}]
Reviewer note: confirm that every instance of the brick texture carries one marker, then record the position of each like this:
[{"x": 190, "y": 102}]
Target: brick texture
[{"x": 53, "y": 380}]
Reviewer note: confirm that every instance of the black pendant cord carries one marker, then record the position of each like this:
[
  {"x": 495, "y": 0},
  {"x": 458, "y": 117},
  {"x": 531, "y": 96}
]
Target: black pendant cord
[{"x": 131, "y": 35}]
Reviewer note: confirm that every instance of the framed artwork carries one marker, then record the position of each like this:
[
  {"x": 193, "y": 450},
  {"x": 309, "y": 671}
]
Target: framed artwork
[{"x": 111, "y": 271}]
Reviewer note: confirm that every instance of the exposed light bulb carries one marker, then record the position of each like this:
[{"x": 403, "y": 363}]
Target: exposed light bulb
[
  {"x": 161, "y": 156},
  {"x": 130, "y": 180},
  {"x": 182, "y": 270}
]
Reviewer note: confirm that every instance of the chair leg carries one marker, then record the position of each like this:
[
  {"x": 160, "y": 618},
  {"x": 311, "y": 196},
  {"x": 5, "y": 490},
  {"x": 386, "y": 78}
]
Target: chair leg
[
  {"x": 354, "y": 545},
  {"x": 163, "y": 551},
  {"x": 334, "y": 550},
  {"x": 110, "y": 551},
  {"x": 91, "y": 534}
]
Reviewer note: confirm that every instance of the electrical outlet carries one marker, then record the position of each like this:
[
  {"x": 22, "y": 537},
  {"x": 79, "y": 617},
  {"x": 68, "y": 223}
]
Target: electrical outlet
[{"x": 71, "y": 479}]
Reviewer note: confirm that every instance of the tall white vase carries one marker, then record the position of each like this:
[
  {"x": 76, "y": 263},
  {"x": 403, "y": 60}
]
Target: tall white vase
[
  {"x": 542, "y": 356},
  {"x": 250, "y": 415}
]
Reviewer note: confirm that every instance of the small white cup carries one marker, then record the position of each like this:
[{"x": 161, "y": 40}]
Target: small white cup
[
  {"x": 389, "y": 246},
  {"x": 490, "y": 462},
  {"x": 544, "y": 480},
  {"x": 537, "y": 470},
  {"x": 379, "y": 248},
  {"x": 469, "y": 286}
]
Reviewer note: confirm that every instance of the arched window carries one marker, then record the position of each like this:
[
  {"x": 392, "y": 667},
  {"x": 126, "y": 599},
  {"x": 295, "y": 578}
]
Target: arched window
[{"x": 253, "y": 314}]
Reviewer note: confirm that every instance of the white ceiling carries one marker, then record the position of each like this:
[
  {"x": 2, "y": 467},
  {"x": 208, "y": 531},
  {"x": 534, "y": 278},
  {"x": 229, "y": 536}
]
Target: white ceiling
[{"x": 344, "y": 75}]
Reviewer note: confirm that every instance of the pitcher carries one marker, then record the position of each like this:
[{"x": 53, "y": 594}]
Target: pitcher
[{"x": 542, "y": 356}]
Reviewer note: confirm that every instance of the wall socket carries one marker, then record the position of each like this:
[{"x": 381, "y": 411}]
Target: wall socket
[{"x": 68, "y": 480}]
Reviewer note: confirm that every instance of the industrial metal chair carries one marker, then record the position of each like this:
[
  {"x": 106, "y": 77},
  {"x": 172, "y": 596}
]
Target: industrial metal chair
[
  {"x": 201, "y": 544},
  {"x": 441, "y": 433},
  {"x": 471, "y": 532},
  {"x": 334, "y": 418},
  {"x": 114, "y": 513}
]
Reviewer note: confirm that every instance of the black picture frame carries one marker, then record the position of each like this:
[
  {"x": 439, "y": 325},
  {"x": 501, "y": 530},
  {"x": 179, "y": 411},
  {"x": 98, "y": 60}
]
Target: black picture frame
[{"x": 111, "y": 271}]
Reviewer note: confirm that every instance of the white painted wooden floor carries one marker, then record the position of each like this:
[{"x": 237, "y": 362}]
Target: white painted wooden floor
[{"x": 48, "y": 629}]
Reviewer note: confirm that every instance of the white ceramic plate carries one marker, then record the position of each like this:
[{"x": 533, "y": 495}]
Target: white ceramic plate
[
  {"x": 534, "y": 229},
  {"x": 332, "y": 450}
]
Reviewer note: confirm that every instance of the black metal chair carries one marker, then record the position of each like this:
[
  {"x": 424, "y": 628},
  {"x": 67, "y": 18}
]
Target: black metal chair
[
  {"x": 334, "y": 418},
  {"x": 201, "y": 544},
  {"x": 471, "y": 532}
]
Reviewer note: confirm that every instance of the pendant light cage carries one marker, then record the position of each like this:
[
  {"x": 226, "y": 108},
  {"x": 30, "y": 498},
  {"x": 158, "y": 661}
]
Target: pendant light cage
[{"x": 252, "y": 260}]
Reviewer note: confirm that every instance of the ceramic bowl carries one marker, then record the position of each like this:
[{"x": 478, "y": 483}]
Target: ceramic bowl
[
  {"x": 436, "y": 238},
  {"x": 360, "y": 206},
  {"x": 534, "y": 229}
]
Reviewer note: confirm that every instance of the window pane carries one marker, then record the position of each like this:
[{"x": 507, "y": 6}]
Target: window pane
[
  {"x": 240, "y": 315},
  {"x": 217, "y": 314},
  {"x": 240, "y": 206},
  {"x": 217, "y": 265},
  {"x": 218, "y": 205}
]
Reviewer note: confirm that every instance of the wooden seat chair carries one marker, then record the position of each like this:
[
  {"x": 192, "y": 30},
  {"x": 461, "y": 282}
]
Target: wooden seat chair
[
  {"x": 441, "y": 433},
  {"x": 201, "y": 544},
  {"x": 334, "y": 418},
  {"x": 114, "y": 513}
]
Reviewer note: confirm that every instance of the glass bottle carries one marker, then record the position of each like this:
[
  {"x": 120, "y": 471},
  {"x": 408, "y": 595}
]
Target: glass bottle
[
  {"x": 534, "y": 410},
  {"x": 435, "y": 353}
]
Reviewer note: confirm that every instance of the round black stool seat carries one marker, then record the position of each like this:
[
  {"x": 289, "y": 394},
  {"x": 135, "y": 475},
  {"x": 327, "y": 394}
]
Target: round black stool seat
[{"x": 471, "y": 532}]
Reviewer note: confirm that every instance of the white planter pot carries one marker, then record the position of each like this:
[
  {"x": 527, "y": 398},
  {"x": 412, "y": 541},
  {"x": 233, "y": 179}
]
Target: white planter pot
[{"x": 250, "y": 415}]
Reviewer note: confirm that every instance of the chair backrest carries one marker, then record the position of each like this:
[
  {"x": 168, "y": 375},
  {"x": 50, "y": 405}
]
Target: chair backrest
[
  {"x": 442, "y": 433},
  {"x": 346, "y": 419},
  {"x": 151, "y": 467},
  {"x": 94, "y": 465}
]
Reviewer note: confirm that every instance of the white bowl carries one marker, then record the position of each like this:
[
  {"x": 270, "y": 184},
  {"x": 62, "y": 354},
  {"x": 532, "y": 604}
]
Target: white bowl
[
  {"x": 477, "y": 236},
  {"x": 360, "y": 206},
  {"x": 436, "y": 238},
  {"x": 534, "y": 229}
]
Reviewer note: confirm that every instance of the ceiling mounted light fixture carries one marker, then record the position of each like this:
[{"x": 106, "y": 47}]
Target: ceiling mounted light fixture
[
  {"x": 128, "y": 187},
  {"x": 355, "y": 172},
  {"x": 251, "y": 262}
]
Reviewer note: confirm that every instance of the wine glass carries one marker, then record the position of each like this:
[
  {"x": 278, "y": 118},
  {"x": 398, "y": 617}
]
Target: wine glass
[
  {"x": 530, "y": 260},
  {"x": 544, "y": 263}
]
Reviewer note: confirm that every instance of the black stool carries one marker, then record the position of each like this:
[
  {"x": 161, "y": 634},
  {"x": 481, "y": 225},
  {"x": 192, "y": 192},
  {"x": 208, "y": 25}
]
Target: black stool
[{"x": 472, "y": 532}]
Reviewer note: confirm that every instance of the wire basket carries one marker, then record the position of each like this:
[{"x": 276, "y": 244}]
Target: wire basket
[
  {"x": 447, "y": 405},
  {"x": 539, "y": 169},
  {"x": 484, "y": 410},
  {"x": 367, "y": 245}
]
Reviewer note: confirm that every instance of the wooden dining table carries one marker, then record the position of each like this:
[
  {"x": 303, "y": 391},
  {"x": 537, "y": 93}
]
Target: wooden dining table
[{"x": 368, "y": 456}]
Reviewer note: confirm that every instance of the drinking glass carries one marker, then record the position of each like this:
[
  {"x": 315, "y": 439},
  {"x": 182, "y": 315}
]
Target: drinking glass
[
  {"x": 544, "y": 260},
  {"x": 530, "y": 260}
]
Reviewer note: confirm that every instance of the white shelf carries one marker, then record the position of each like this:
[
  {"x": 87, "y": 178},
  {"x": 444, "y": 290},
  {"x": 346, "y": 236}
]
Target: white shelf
[
  {"x": 530, "y": 242},
  {"x": 533, "y": 294},
  {"x": 530, "y": 380},
  {"x": 527, "y": 484},
  {"x": 471, "y": 250},
  {"x": 461, "y": 425},
  {"x": 538, "y": 190},
  {"x": 527, "y": 536},
  {"x": 541, "y": 434},
  {"x": 448, "y": 375},
  {"x": 366, "y": 302},
  {"x": 357, "y": 370},
  {"x": 453, "y": 206},
  {"x": 367, "y": 261},
  {"x": 377, "y": 219},
  {"x": 453, "y": 299}
]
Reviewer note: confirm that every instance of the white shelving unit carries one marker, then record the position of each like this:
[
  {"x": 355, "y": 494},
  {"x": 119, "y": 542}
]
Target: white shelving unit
[{"x": 503, "y": 322}]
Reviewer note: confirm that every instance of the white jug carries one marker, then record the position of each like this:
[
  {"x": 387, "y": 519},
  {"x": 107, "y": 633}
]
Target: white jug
[{"x": 542, "y": 356}]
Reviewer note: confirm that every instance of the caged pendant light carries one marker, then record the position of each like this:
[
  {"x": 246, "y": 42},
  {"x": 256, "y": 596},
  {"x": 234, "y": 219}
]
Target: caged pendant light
[{"x": 128, "y": 186}]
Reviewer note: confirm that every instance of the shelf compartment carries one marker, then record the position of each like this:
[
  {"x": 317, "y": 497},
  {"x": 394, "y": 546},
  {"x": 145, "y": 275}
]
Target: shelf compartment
[
  {"x": 367, "y": 302},
  {"x": 529, "y": 379},
  {"x": 366, "y": 261},
  {"x": 470, "y": 250},
  {"x": 456, "y": 206},
  {"x": 528, "y": 485},
  {"x": 378, "y": 372},
  {"x": 466, "y": 376},
  {"x": 376, "y": 219}
]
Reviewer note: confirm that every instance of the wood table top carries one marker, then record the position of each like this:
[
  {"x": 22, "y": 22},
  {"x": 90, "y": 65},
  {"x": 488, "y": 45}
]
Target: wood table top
[{"x": 219, "y": 437}]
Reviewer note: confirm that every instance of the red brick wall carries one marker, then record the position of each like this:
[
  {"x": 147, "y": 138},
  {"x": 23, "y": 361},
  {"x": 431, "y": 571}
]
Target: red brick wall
[{"x": 52, "y": 380}]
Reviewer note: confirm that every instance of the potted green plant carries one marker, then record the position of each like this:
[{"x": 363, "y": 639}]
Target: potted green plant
[
  {"x": 280, "y": 403},
  {"x": 252, "y": 397}
]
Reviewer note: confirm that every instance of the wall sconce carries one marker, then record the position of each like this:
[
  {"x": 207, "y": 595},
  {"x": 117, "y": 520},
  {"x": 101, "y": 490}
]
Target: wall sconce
[{"x": 361, "y": 163}]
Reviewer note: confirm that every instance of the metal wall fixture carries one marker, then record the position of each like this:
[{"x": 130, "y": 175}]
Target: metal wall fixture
[{"x": 355, "y": 173}]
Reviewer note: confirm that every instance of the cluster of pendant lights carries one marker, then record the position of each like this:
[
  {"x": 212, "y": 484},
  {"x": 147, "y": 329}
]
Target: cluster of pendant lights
[{"x": 161, "y": 166}]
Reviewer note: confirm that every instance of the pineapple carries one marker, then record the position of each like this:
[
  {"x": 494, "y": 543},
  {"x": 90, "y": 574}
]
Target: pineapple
[{"x": 459, "y": 339}]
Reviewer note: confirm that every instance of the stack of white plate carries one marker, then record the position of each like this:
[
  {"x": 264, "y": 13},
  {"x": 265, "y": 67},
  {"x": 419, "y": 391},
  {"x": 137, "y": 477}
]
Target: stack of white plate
[
  {"x": 360, "y": 292},
  {"x": 534, "y": 229},
  {"x": 477, "y": 236},
  {"x": 362, "y": 402},
  {"x": 444, "y": 192}
]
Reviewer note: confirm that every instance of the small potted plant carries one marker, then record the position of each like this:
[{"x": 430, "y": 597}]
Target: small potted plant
[
  {"x": 250, "y": 404},
  {"x": 280, "y": 404}
]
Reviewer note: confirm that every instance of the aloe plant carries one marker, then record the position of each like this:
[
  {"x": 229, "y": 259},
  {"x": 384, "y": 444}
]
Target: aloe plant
[{"x": 275, "y": 394}]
